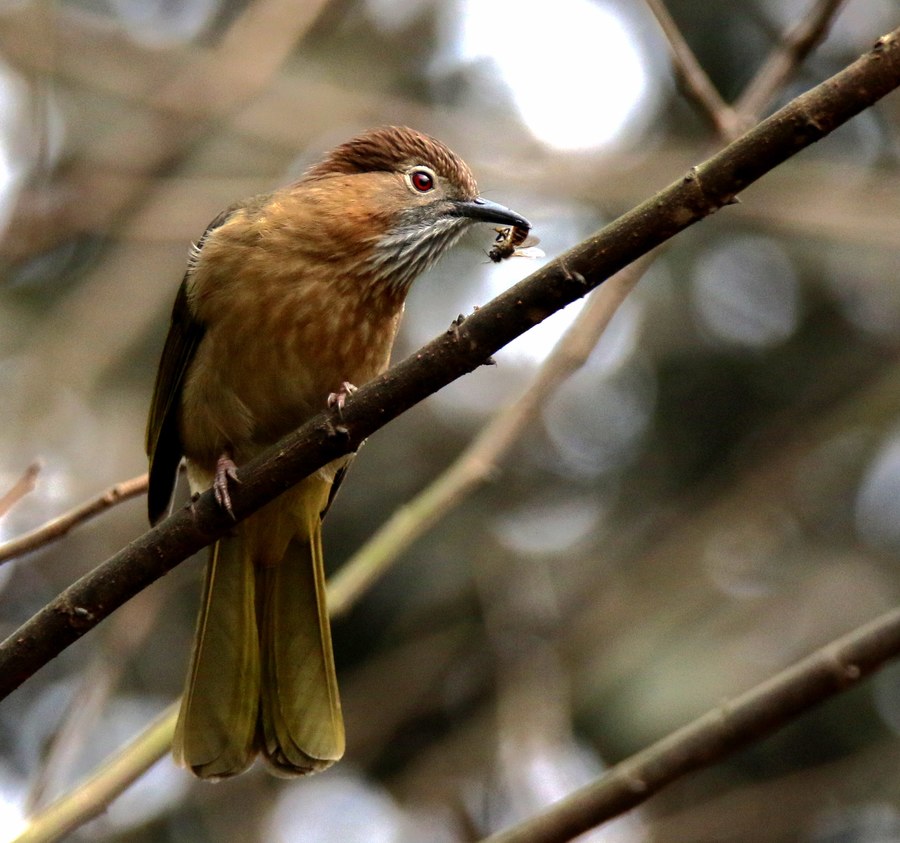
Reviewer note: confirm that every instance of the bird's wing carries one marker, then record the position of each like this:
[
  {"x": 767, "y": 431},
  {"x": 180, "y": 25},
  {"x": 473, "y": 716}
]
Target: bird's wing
[
  {"x": 336, "y": 484},
  {"x": 163, "y": 442}
]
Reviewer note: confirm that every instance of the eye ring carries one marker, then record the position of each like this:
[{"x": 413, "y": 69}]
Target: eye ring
[{"x": 421, "y": 180}]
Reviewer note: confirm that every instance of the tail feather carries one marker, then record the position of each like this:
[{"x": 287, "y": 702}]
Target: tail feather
[
  {"x": 214, "y": 736},
  {"x": 301, "y": 728}
]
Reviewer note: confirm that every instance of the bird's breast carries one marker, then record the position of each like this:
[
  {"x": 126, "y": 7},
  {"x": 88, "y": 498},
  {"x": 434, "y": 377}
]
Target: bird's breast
[{"x": 272, "y": 353}]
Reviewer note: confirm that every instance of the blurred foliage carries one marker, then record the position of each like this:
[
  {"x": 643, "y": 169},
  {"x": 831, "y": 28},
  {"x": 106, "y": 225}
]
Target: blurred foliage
[{"x": 712, "y": 497}]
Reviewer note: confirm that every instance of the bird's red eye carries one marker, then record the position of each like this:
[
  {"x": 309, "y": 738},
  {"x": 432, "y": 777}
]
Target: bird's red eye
[{"x": 422, "y": 180}]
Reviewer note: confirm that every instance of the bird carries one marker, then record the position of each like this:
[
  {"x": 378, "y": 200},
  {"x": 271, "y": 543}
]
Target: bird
[{"x": 289, "y": 301}]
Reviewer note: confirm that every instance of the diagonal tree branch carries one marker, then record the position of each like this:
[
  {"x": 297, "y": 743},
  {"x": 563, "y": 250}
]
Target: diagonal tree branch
[
  {"x": 718, "y": 733},
  {"x": 464, "y": 347},
  {"x": 478, "y": 463},
  {"x": 473, "y": 468}
]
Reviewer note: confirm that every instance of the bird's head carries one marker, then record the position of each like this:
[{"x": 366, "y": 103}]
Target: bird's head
[{"x": 406, "y": 199}]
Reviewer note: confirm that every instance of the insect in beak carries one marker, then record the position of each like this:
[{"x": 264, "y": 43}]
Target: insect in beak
[{"x": 514, "y": 242}]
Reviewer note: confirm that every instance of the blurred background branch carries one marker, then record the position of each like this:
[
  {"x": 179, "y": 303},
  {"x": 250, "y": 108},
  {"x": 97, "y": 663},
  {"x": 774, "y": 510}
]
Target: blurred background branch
[
  {"x": 791, "y": 50},
  {"x": 716, "y": 734},
  {"x": 692, "y": 77},
  {"x": 23, "y": 486},
  {"x": 58, "y": 527}
]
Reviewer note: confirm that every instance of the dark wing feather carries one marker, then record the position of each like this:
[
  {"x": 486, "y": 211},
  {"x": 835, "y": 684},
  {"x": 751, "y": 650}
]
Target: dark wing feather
[
  {"x": 163, "y": 439},
  {"x": 163, "y": 444},
  {"x": 336, "y": 484}
]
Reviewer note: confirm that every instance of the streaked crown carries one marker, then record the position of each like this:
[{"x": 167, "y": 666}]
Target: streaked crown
[{"x": 394, "y": 149}]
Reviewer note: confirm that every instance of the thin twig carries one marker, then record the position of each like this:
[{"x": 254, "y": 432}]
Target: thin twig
[
  {"x": 58, "y": 527},
  {"x": 91, "y": 798},
  {"x": 794, "y": 46},
  {"x": 694, "y": 80},
  {"x": 22, "y": 487},
  {"x": 718, "y": 733},
  {"x": 94, "y": 685}
]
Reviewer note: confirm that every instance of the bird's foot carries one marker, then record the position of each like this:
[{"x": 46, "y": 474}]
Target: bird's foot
[
  {"x": 226, "y": 471},
  {"x": 337, "y": 399}
]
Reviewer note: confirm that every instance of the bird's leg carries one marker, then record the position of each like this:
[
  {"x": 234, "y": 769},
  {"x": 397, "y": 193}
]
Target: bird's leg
[
  {"x": 225, "y": 470},
  {"x": 337, "y": 399}
]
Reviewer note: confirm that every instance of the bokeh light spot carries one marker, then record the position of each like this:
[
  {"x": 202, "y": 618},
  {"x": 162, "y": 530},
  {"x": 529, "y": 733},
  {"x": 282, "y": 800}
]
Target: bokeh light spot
[
  {"x": 573, "y": 68},
  {"x": 878, "y": 502},
  {"x": 746, "y": 292}
]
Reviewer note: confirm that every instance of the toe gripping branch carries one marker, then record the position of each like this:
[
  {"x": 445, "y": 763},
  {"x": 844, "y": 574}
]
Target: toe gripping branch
[
  {"x": 226, "y": 471},
  {"x": 336, "y": 400}
]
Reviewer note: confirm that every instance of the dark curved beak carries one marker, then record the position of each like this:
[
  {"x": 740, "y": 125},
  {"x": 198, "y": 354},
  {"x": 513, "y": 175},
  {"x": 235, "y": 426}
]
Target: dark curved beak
[{"x": 483, "y": 210}]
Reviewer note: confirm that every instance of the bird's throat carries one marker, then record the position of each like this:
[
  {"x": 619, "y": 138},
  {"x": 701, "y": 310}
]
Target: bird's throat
[{"x": 404, "y": 253}]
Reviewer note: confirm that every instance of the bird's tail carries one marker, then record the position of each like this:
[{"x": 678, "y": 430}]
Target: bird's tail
[{"x": 262, "y": 672}]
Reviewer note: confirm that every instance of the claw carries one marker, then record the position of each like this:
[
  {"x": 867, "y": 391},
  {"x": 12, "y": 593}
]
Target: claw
[
  {"x": 571, "y": 275},
  {"x": 225, "y": 470},
  {"x": 337, "y": 399}
]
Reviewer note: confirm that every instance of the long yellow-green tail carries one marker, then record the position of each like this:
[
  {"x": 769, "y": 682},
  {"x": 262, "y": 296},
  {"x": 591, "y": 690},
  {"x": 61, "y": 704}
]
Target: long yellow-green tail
[{"x": 262, "y": 674}]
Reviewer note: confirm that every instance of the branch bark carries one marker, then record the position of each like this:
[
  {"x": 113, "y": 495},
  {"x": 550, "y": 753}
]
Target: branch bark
[{"x": 464, "y": 347}]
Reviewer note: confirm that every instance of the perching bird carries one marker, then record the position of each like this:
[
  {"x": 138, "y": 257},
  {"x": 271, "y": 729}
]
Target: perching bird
[{"x": 288, "y": 299}]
